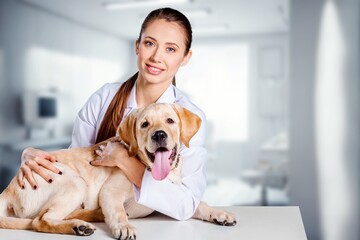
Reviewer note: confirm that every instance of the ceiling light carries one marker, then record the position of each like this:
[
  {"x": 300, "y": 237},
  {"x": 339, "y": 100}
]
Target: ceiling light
[{"x": 121, "y": 5}]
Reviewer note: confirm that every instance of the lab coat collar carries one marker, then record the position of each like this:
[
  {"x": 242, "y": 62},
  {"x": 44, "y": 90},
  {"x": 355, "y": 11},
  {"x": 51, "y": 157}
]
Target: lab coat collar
[{"x": 168, "y": 96}]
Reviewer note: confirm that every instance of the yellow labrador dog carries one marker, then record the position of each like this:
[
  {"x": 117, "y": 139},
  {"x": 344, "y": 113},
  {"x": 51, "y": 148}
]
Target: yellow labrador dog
[{"x": 85, "y": 192}]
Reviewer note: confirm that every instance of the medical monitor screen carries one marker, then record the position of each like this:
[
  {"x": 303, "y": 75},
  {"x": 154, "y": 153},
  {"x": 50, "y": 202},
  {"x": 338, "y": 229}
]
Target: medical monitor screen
[{"x": 47, "y": 107}]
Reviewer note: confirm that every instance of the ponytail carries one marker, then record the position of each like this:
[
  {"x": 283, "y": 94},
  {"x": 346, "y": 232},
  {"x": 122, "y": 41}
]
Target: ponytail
[{"x": 115, "y": 111}]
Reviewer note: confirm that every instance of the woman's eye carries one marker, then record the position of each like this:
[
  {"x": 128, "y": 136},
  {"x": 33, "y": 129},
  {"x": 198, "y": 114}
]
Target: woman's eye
[
  {"x": 149, "y": 44},
  {"x": 170, "y": 121},
  {"x": 145, "y": 124},
  {"x": 169, "y": 49}
]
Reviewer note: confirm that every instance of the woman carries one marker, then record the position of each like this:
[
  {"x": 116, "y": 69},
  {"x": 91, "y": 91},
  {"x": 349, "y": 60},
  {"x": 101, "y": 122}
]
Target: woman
[{"x": 162, "y": 47}]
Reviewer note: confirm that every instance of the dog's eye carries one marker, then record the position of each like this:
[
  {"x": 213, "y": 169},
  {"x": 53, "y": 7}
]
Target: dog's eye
[
  {"x": 170, "y": 120},
  {"x": 145, "y": 124}
]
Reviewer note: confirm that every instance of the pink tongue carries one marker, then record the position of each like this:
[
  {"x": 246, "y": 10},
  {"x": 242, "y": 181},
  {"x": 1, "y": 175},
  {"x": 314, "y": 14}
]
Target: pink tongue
[{"x": 161, "y": 167}]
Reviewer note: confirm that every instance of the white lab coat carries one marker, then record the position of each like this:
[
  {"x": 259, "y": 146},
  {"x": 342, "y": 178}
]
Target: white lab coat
[{"x": 176, "y": 201}]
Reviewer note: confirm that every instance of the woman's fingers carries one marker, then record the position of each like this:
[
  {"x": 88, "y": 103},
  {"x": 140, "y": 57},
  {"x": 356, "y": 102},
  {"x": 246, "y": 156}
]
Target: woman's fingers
[
  {"x": 99, "y": 152},
  {"x": 38, "y": 161},
  {"x": 50, "y": 157},
  {"x": 104, "y": 161},
  {"x": 20, "y": 179},
  {"x": 29, "y": 176},
  {"x": 45, "y": 155},
  {"x": 38, "y": 169},
  {"x": 96, "y": 163},
  {"x": 47, "y": 164}
]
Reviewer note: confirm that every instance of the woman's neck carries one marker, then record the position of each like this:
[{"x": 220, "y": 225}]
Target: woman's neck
[{"x": 148, "y": 93}]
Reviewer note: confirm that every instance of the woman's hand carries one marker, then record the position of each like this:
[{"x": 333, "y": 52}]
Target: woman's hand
[
  {"x": 111, "y": 155},
  {"x": 38, "y": 161},
  {"x": 114, "y": 154}
]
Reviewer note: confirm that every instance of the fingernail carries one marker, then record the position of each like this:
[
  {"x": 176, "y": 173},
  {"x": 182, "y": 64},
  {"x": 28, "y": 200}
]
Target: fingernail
[
  {"x": 60, "y": 172},
  {"x": 50, "y": 180},
  {"x": 35, "y": 187}
]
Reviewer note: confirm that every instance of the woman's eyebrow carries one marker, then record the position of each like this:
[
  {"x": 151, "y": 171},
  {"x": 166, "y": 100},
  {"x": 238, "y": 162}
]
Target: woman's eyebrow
[
  {"x": 154, "y": 39},
  {"x": 174, "y": 44},
  {"x": 168, "y": 43}
]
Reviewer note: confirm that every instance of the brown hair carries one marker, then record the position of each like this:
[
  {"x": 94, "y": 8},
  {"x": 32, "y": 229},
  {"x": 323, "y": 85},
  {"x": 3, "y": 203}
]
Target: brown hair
[{"x": 115, "y": 111}]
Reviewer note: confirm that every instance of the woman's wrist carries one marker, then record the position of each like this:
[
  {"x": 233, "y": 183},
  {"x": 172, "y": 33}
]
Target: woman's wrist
[{"x": 133, "y": 169}]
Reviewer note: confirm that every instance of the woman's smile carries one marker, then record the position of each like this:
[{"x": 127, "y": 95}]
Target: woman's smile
[{"x": 154, "y": 70}]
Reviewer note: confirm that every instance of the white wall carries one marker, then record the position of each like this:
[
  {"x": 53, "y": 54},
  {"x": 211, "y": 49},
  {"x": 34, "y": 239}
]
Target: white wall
[
  {"x": 324, "y": 118},
  {"x": 39, "y": 50}
]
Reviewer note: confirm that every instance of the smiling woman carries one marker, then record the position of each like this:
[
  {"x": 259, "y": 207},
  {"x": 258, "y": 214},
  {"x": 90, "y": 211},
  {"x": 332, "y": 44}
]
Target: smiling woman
[
  {"x": 162, "y": 48},
  {"x": 161, "y": 51}
]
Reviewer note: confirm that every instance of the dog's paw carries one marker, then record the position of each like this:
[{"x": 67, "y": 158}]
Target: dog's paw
[
  {"x": 223, "y": 218},
  {"x": 84, "y": 229},
  {"x": 124, "y": 231}
]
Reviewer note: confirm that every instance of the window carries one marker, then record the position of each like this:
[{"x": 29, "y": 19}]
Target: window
[{"x": 216, "y": 79}]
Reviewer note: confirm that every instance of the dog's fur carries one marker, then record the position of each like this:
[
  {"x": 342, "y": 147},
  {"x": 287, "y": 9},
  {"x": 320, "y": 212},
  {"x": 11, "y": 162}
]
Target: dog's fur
[{"x": 102, "y": 193}]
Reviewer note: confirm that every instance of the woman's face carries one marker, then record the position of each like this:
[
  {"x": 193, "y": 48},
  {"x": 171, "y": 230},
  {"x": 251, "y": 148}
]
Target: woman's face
[{"x": 161, "y": 51}]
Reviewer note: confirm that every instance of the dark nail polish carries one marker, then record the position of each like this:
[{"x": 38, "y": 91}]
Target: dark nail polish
[
  {"x": 50, "y": 180},
  {"x": 35, "y": 187},
  {"x": 60, "y": 173}
]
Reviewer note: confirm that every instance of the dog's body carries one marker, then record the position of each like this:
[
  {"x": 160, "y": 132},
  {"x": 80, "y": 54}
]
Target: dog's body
[{"x": 84, "y": 189}]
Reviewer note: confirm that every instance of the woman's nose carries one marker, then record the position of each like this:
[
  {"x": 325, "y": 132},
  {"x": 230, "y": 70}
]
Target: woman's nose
[{"x": 156, "y": 56}]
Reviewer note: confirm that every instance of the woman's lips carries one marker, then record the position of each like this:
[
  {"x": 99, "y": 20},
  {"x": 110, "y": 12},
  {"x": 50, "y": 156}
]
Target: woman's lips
[{"x": 153, "y": 70}]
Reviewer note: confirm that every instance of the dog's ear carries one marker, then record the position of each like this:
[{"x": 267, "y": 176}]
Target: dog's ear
[
  {"x": 189, "y": 123},
  {"x": 127, "y": 132}
]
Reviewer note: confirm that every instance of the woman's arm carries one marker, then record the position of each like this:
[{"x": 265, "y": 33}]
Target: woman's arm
[
  {"x": 114, "y": 154},
  {"x": 90, "y": 116}
]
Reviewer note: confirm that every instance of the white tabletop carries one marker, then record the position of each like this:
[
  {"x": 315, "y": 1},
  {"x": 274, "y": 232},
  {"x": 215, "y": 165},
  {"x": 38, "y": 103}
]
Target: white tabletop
[{"x": 253, "y": 223}]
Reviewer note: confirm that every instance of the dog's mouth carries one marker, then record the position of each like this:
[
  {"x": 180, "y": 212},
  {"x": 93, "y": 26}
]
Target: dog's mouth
[{"x": 162, "y": 160}]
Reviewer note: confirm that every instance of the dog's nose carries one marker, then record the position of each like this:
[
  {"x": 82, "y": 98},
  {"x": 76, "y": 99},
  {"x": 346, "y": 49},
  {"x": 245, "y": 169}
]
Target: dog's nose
[{"x": 159, "y": 136}]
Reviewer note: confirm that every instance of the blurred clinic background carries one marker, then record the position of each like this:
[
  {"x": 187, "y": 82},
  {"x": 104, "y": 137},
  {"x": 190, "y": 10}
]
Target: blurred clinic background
[{"x": 278, "y": 80}]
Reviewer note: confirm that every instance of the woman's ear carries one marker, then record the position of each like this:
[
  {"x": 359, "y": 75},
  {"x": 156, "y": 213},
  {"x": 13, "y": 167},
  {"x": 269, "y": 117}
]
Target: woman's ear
[
  {"x": 186, "y": 58},
  {"x": 137, "y": 42}
]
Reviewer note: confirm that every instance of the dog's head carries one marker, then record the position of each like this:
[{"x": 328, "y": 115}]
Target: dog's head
[{"x": 154, "y": 134}]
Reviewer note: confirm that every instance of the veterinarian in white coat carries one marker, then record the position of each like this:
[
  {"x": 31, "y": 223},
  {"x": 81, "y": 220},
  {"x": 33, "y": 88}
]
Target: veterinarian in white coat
[{"x": 162, "y": 47}]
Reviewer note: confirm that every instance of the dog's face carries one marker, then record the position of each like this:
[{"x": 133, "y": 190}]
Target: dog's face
[{"x": 154, "y": 134}]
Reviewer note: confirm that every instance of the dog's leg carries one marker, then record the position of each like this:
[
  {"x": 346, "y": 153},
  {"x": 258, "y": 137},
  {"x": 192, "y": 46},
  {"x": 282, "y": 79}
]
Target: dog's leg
[
  {"x": 112, "y": 197},
  {"x": 4, "y": 203},
  {"x": 49, "y": 220},
  {"x": 51, "y": 217},
  {"x": 214, "y": 215},
  {"x": 87, "y": 215},
  {"x": 16, "y": 223},
  {"x": 6, "y": 213}
]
